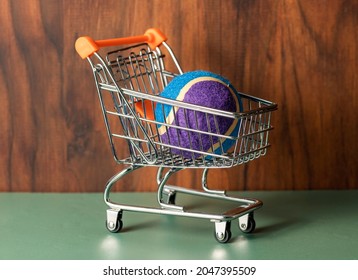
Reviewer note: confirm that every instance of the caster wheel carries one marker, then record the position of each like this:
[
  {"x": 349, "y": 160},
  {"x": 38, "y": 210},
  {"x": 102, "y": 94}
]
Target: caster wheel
[
  {"x": 250, "y": 226},
  {"x": 223, "y": 236},
  {"x": 114, "y": 227}
]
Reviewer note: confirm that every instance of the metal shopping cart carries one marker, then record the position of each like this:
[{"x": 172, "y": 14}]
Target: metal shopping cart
[{"x": 129, "y": 81}]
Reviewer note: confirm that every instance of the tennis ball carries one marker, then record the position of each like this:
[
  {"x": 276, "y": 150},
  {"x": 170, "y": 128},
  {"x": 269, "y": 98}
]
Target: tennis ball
[{"x": 205, "y": 89}]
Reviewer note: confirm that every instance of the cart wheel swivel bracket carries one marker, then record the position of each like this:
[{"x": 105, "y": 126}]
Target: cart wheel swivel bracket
[
  {"x": 114, "y": 220},
  {"x": 222, "y": 231}
]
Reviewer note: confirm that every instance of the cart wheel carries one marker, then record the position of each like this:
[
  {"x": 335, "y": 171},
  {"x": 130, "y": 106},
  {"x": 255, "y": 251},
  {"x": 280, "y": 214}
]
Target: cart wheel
[
  {"x": 223, "y": 236},
  {"x": 250, "y": 226},
  {"x": 114, "y": 227}
]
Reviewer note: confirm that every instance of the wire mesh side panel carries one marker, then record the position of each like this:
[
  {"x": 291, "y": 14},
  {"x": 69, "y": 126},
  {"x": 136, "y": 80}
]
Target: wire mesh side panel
[
  {"x": 138, "y": 68},
  {"x": 114, "y": 110},
  {"x": 134, "y": 69},
  {"x": 131, "y": 138},
  {"x": 129, "y": 83},
  {"x": 211, "y": 147},
  {"x": 183, "y": 142},
  {"x": 253, "y": 138}
]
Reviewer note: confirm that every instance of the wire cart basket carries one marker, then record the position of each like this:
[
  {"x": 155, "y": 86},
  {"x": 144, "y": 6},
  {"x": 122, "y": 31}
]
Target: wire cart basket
[{"x": 129, "y": 81}]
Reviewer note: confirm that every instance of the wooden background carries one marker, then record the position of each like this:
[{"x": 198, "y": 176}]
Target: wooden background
[{"x": 301, "y": 54}]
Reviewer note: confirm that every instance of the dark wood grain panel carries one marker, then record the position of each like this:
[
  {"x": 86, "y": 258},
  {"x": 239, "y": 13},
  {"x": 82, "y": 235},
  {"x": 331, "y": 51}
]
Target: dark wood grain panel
[{"x": 301, "y": 54}]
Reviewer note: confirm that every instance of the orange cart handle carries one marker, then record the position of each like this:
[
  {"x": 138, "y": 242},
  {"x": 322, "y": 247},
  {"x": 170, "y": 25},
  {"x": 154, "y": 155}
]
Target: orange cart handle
[{"x": 86, "y": 46}]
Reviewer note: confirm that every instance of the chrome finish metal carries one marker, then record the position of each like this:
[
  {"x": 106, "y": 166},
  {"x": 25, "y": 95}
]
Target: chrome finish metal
[
  {"x": 204, "y": 184},
  {"x": 133, "y": 77}
]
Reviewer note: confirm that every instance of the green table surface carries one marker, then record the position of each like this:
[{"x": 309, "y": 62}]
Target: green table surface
[{"x": 292, "y": 225}]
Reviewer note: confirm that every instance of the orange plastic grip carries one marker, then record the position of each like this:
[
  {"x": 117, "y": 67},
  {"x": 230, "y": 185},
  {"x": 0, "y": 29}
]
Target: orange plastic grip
[{"x": 86, "y": 46}]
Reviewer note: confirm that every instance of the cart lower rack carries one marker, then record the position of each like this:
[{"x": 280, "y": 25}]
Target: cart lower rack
[{"x": 130, "y": 82}]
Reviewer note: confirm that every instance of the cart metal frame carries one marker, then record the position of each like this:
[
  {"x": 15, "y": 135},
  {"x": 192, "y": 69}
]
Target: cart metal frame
[{"x": 129, "y": 81}]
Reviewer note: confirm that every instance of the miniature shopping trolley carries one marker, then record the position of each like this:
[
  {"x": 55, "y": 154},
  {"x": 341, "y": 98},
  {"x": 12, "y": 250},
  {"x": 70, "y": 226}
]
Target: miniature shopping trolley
[{"x": 129, "y": 78}]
